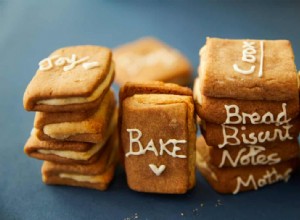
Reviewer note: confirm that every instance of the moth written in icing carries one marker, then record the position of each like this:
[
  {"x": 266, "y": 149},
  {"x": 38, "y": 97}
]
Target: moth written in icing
[{"x": 139, "y": 149}]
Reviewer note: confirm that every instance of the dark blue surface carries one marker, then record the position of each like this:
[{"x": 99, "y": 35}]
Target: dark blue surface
[{"x": 30, "y": 30}]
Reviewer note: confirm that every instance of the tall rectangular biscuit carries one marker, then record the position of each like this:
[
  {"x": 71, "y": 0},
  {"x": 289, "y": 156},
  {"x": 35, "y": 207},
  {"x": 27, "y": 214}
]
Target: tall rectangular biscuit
[
  {"x": 248, "y": 155},
  {"x": 158, "y": 139},
  {"x": 97, "y": 175},
  {"x": 73, "y": 78},
  {"x": 235, "y": 135},
  {"x": 70, "y": 126},
  {"x": 217, "y": 110},
  {"x": 248, "y": 69}
]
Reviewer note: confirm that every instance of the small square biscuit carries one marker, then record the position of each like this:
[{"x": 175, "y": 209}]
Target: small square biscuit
[
  {"x": 158, "y": 138},
  {"x": 70, "y": 127},
  {"x": 148, "y": 59},
  {"x": 248, "y": 155},
  {"x": 248, "y": 69},
  {"x": 214, "y": 110},
  {"x": 66, "y": 151},
  {"x": 235, "y": 135},
  {"x": 97, "y": 175},
  {"x": 72, "y": 79}
]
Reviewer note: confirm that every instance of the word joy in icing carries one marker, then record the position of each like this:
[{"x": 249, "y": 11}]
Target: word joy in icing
[
  {"x": 271, "y": 176},
  {"x": 248, "y": 56},
  {"x": 66, "y": 62},
  {"x": 163, "y": 149},
  {"x": 252, "y": 155}
]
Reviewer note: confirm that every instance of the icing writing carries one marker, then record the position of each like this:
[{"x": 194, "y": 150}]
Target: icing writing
[
  {"x": 248, "y": 56},
  {"x": 235, "y": 117},
  {"x": 271, "y": 176},
  {"x": 230, "y": 135},
  {"x": 66, "y": 62},
  {"x": 139, "y": 149},
  {"x": 157, "y": 170},
  {"x": 252, "y": 155}
]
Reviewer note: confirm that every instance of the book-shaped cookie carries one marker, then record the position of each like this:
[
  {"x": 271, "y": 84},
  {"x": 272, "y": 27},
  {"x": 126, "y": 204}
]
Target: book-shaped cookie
[
  {"x": 70, "y": 79},
  {"x": 238, "y": 179},
  {"x": 158, "y": 135},
  {"x": 148, "y": 59},
  {"x": 239, "y": 134},
  {"x": 78, "y": 126},
  {"x": 216, "y": 110},
  {"x": 65, "y": 151},
  {"x": 248, "y": 155},
  {"x": 97, "y": 175},
  {"x": 248, "y": 69}
]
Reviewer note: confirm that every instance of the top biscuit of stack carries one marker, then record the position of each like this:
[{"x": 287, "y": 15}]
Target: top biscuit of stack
[
  {"x": 70, "y": 79},
  {"x": 248, "y": 69}
]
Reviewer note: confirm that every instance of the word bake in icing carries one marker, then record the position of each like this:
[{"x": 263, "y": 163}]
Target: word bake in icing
[
  {"x": 271, "y": 176},
  {"x": 151, "y": 147},
  {"x": 248, "y": 56},
  {"x": 250, "y": 155},
  {"x": 66, "y": 62}
]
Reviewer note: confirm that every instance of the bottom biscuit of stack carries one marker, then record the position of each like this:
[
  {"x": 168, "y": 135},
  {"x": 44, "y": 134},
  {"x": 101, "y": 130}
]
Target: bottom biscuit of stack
[
  {"x": 97, "y": 175},
  {"x": 242, "y": 178}
]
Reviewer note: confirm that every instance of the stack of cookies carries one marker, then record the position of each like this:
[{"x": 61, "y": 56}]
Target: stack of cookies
[
  {"x": 76, "y": 117},
  {"x": 158, "y": 137},
  {"x": 246, "y": 96}
]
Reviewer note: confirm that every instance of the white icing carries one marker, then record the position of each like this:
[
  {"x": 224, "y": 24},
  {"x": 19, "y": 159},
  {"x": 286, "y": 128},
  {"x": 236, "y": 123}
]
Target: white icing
[
  {"x": 250, "y": 155},
  {"x": 254, "y": 137},
  {"x": 248, "y": 56},
  {"x": 270, "y": 177},
  {"x": 90, "y": 65},
  {"x": 157, "y": 170},
  {"x": 66, "y": 62},
  {"x": 235, "y": 117},
  {"x": 83, "y": 178},
  {"x": 151, "y": 146}
]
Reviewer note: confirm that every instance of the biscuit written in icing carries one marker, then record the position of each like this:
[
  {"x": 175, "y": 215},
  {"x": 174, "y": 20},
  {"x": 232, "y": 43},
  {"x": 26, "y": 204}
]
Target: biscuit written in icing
[
  {"x": 73, "y": 79},
  {"x": 148, "y": 60},
  {"x": 65, "y": 126},
  {"x": 225, "y": 110},
  {"x": 248, "y": 155},
  {"x": 158, "y": 140},
  {"x": 248, "y": 69},
  {"x": 97, "y": 175},
  {"x": 235, "y": 135}
]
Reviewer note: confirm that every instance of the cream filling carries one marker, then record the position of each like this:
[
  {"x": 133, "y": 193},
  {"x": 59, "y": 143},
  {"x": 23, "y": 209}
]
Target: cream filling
[
  {"x": 77, "y": 100},
  {"x": 88, "y": 154},
  {"x": 66, "y": 129},
  {"x": 197, "y": 93},
  {"x": 83, "y": 178}
]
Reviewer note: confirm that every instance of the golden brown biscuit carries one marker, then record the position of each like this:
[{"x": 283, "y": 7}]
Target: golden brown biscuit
[
  {"x": 66, "y": 151},
  {"x": 73, "y": 79},
  {"x": 234, "y": 135},
  {"x": 158, "y": 139},
  {"x": 97, "y": 175},
  {"x": 216, "y": 110},
  {"x": 65, "y": 126},
  {"x": 248, "y": 155},
  {"x": 248, "y": 69},
  {"x": 239, "y": 179},
  {"x": 148, "y": 59}
]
